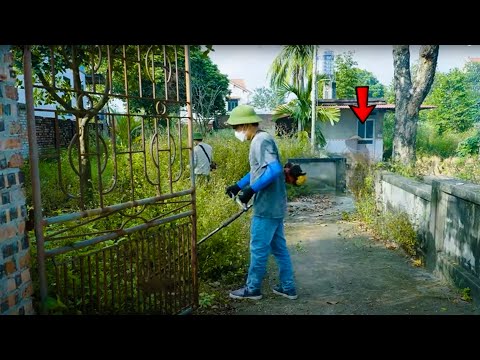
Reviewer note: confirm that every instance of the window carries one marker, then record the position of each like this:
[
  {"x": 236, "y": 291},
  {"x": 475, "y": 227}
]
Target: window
[
  {"x": 365, "y": 131},
  {"x": 232, "y": 104}
]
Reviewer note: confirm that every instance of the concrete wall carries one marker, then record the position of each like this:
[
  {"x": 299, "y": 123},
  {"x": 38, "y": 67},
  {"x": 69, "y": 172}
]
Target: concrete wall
[
  {"x": 446, "y": 213},
  {"x": 15, "y": 282},
  {"x": 325, "y": 174}
]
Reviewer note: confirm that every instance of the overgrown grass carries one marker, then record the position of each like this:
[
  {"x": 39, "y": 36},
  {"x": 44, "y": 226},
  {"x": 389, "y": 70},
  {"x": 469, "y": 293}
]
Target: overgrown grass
[
  {"x": 430, "y": 143},
  {"x": 465, "y": 168},
  {"x": 387, "y": 225}
]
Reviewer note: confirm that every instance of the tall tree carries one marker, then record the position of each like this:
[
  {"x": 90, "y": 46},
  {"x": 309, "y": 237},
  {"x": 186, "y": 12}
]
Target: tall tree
[
  {"x": 346, "y": 75},
  {"x": 209, "y": 89},
  {"x": 266, "y": 99},
  {"x": 375, "y": 88},
  {"x": 409, "y": 96},
  {"x": 456, "y": 102},
  {"x": 473, "y": 75},
  {"x": 293, "y": 66}
]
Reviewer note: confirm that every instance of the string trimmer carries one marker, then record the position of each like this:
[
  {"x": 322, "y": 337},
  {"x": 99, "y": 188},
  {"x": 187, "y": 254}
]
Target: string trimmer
[{"x": 227, "y": 222}]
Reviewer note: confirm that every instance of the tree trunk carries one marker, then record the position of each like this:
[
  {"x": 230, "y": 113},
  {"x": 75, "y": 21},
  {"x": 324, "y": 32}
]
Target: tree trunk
[
  {"x": 409, "y": 97},
  {"x": 86, "y": 186}
]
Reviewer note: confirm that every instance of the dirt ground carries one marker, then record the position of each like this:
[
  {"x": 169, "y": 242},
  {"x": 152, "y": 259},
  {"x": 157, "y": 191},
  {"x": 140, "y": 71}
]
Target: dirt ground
[{"x": 341, "y": 269}]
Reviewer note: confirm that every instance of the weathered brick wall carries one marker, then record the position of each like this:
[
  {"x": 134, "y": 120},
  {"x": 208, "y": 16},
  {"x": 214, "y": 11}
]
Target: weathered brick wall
[
  {"x": 15, "y": 282},
  {"x": 22, "y": 120},
  {"x": 45, "y": 129},
  {"x": 46, "y": 135}
]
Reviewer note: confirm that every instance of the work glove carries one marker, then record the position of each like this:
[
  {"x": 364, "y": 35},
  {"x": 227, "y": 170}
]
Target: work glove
[
  {"x": 232, "y": 190},
  {"x": 246, "y": 194}
]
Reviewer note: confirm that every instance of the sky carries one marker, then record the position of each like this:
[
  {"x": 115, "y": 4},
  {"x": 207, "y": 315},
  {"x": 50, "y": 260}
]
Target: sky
[{"x": 251, "y": 62}]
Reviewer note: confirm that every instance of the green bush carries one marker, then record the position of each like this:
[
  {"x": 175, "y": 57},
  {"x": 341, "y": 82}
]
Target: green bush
[
  {"x": 429, "y": 142},
  {"x": 469, "y": 146}
]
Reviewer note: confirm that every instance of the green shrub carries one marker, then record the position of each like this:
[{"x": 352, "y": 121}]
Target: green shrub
[
  {"x": 469, "y": 146},
  {"x": 429, "y": 142},
  {"x": 389, "y": 225}
]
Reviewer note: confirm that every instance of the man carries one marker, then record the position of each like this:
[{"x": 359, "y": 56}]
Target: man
[
  {"x": 265, "y": 181},
  {"x": 202, "y": 158}
]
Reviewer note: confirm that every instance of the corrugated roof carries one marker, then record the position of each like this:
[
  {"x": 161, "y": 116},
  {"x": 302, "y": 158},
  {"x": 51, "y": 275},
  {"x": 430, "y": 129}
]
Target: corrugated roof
[{"x": 239, "y": 83}]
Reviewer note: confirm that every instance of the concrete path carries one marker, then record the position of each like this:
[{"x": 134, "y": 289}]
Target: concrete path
[{"x": 342, "y": 270}]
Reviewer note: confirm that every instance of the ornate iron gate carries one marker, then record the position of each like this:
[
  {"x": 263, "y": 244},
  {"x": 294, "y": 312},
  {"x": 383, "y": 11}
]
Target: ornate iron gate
[{"x": 114, "y": 210}]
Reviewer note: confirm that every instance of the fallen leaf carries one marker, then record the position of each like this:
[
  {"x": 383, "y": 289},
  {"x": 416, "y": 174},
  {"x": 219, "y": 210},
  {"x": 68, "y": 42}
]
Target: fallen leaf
[
  {"x": 417, "y": 262},
  {"x": 323, "y": 225},
  {"x": 332, "y": 302},
  {"x": 391, "y": 246}
]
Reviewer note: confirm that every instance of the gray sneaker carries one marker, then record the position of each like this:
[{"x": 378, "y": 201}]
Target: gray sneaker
[
  {"x": 289, "y": 294},
  {"x": 243, "y": 293}
]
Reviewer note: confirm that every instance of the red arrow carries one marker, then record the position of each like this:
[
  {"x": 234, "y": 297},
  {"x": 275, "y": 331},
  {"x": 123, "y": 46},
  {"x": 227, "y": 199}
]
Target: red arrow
[{"x": 362, "y": 110}]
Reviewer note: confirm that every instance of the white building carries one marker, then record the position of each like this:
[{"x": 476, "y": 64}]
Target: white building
[{"x": 239, "y": 94}]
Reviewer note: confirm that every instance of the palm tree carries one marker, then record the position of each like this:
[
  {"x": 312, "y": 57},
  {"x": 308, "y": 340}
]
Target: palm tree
[
  {"x": 300, "y": 109},
  {"x": 292, "y": 66}
]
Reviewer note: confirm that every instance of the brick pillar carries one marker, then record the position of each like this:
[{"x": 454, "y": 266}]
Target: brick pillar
[{"x": 15, "y": 282}]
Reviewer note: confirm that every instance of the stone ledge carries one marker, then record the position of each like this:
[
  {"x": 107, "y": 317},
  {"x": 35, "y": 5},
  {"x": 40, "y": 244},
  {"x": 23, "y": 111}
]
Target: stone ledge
[{"x": 412, "y": 186}]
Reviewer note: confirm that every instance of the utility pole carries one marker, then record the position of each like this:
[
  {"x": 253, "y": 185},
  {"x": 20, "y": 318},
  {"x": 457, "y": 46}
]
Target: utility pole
[{"x": 314, "y": 96}]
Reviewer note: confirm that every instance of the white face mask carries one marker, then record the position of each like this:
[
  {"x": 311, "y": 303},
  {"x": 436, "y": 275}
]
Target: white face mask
[{"x": 240, "y": 135}]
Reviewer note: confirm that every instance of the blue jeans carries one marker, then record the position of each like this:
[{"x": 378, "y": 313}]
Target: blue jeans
[{"x": 267, "y": 235}]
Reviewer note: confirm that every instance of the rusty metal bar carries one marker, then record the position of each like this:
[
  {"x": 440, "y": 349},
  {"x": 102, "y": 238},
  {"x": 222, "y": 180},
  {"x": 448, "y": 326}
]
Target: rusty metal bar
[
  {"x": 167, "y": 269},
  {"x": 184, "y": 273},
  {"x": 176, "y": 73},
  {"x": 108, "y": 209},
  {"x": 154, "y": 267},
  {"x": 74, "y": 292},
  {"x": 151, "y": 266},
  {"x": 105, "y": 289},
  {"x": 112, "y": 277},
  {"x": 139, "y": 72},
  {"x": 130, "y": 258},
  {"x": 82, "y": 284},
  {"x": 179, "y": 265},
  {"x": 57, "y": 280},
  {"x": 169, "y": 145},
  {"x": 53, "y": 236},
  {"x": 116, "y": 234},
  {"x": 137, "y": 273},
  {"x": 117, "y": 273},
  {"x": 125, "y": 279},
  {"x": 97, "y": 280},
  {"x": 165, "y": 70},
  {"x": 192, "y": 176},
  {"x": 35, "y": 175},
  {"x": 160, "y": 267},
  {"x": 178, "y": 286},
  {"x": 142, "y": 272},
  {"x": 99, "y": 163},
  {"x": 65, "y": 281},
  {"x": 90, "y": 292}
]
